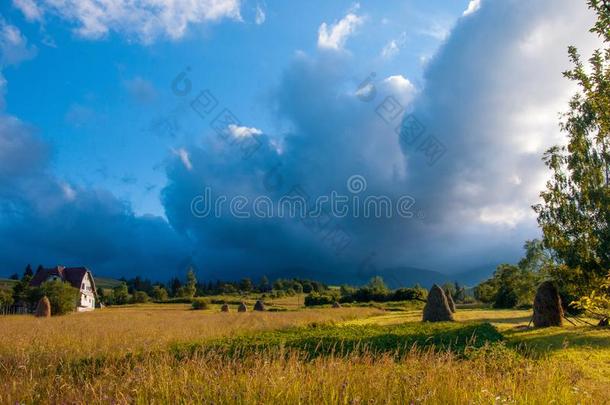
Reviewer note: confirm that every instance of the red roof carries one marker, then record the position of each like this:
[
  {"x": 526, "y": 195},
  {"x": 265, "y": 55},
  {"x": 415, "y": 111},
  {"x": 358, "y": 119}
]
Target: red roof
[{"x": 73, "y": 275}]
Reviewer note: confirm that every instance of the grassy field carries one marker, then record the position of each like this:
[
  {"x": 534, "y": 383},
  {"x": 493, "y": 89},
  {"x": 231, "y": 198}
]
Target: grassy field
[
  {"x": 7, "y": 284},
  {"x": 170, "y": 354}
]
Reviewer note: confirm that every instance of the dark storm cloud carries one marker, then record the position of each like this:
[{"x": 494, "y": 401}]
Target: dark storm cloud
[
  {"x": 46, "y": 221},
  {"x": 491, "y": 98}
]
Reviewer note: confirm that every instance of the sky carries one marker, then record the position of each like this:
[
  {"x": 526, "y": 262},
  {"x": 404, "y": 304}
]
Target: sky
[{"x": 118, "y": 118}]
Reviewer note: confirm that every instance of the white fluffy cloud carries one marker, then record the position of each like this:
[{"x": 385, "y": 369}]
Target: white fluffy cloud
[
  {"x": 392, "y": 48},
  {"x": 29, "y": 8},
  {"x": 184, "y": 157},
  {"x": 144, "y": 20},
  {"x": 473, "y": 6},
  {"x": 14, "y": 49},
  {"x": 334, "y": 36},
  {"x": 260, "y": 15}
]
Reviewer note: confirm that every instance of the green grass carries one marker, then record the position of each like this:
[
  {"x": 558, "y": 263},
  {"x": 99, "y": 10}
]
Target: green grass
[
  {"x": 105, "y": 282},
  {"x": 152, "y": 353},
  {"x": 7, "y": 284},
  {"x": 315, "y": 340}
]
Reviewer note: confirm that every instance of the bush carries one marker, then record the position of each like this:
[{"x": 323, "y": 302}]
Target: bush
[
  {"x": 318, "y": 299},
  {"x": 200, "y": 303},
  {"x": 178, "y": 300},
  {"x": 159, "y": 293},
  {"x": 140, "y": 297},
  {"x": 62, "y": 296},
  {"x": 6, "y": 298},
  {"x": 120, "y": 294},
  {"x": 506, "y": 298}
]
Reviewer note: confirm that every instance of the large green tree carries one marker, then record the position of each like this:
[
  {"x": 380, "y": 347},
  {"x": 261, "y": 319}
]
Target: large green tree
[{"x": 575, "y": 209}]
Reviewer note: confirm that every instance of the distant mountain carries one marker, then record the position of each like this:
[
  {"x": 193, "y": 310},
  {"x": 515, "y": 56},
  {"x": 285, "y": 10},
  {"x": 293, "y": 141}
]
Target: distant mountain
[
  {"x": 396, "y": 277},
  {"x": 475, "y": 276}
]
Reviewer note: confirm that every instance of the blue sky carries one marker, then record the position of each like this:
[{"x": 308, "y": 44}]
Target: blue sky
[
  {"x": 86, "y": 84},
  {"x": 76, "y": 90}
]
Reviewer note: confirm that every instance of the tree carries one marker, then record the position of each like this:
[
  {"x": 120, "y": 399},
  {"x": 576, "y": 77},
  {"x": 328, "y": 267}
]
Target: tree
[
  {"x": 307, "y": 287},
  {"x": 159, "y": 293},
  {"x": 14, "y": 276},
  {"x": 377, "y": 285},
  {"x": 450, "y": 288},
  {"x": 28, "y": 271},
  {"x": 245, "y": 285},
  {"x": 278, "y": 284},
  {"x": 263, "y": 285},
  {"x": 120, "y": 294},
  {"x": 62, "y": 296},
  {"x": 511, "y": 285},
  {"x": 575, "y": 211},
  {"x": 175, "y": 286},
  {"x": 22, "y": 290},
  {"x": 6, "y": 298},
  {"x": 190, "y": 288},
  {"x": 140, "y": 297},
  {"x": 597, "y": 303}
]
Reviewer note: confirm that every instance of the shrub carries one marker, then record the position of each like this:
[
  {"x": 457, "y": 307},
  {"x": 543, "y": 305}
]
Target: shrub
[
  {"x": 318, "y": 299},
  {"x": 120, "y": 294},
  {"x": 506, "y": 298},
  {"x": 62, "y": 296},
  {"x": 140, "y": 297},
  {"x": 159, "y": 293},
  {"x": 178, "y": 300},
  {"x": 6, "y": 298},
  {"x": 200, "y": 303}
]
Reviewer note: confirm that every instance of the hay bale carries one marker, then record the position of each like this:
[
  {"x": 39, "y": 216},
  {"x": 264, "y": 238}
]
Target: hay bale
[
  {"x": 43, "y": 309},
  {"x": 224, "y": 308},
  {"x": 547, "y": 306},
  {"x": 336, "y": 305},
  {"x": 437, "y": 307},
  {"x": 450, "y": 301},
  {"x": 242, "y": 307},
  {"x": 259, "y": 306}
]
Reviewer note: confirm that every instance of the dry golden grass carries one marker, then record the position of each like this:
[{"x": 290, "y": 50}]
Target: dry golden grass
[
  {"x": 146, "y": 327},
  {"x": 83, "y": 358},
  {"x": 284, "y": 378}
]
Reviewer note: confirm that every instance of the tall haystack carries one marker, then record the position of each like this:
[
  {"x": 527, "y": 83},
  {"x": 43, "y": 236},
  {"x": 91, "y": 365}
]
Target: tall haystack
[
  {"x": 224, "y": 308},
  {"x": 450, "y": 301},
  {"x": 259, "y": 306},
  {"x": 547, "y": 306},
  {"x": 242, "y": 307},
  {"x": 43, "y": 309},
  {"x": 437, "y": 307},
  {"x": 336, "y": 305}
]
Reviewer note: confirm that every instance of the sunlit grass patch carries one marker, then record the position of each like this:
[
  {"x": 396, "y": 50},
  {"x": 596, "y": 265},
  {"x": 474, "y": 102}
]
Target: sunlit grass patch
[{"x": 349, "y": 339}]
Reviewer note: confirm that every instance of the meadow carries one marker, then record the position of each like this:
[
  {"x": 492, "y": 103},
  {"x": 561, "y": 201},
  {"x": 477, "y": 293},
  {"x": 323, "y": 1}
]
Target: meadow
[{"x": 170, "y": 354}]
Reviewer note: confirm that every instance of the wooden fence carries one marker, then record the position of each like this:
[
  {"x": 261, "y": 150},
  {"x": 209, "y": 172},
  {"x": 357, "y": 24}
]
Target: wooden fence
[{"x": 13, "y": 310}]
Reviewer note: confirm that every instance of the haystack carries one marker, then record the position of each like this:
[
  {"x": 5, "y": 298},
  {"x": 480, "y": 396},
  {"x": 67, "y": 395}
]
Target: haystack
[
  {"x": 224, "y": 308},
  {"x": 259, "y": 306},
  {"x": 437, "y": 307},
  {"x": 450, "y": 301},
  {"x": 43, "y": 309},
  {"x": 336, "y": 305},
  {"x": 242, "y": 307},
  {"x": 547, "y": 306}
]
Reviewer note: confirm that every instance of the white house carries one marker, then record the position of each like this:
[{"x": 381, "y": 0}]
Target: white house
[{"x": 79, "y": 277}]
